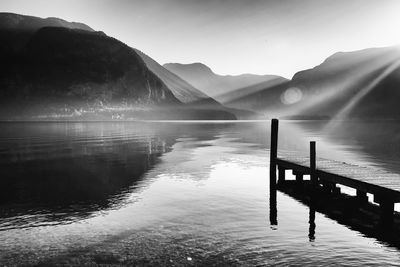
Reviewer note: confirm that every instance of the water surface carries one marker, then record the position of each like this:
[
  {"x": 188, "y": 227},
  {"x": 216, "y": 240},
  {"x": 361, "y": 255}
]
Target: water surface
[{"x": 174, "y": 193}]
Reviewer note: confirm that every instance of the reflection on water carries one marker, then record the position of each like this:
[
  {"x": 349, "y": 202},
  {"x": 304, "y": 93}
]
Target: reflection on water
[
  {"x": 54, "y": 173},
  {"x": 311, "y": 221},
  {"x": 372, "y": 143},
  {"x": 170, "y": 193}
]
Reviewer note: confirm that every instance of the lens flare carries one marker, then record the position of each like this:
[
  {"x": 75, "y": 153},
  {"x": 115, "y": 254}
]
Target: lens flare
[{"x": 291, "y": 95}]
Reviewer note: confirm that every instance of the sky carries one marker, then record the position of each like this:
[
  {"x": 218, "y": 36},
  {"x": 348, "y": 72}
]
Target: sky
[{"x": 233, "y": 36}]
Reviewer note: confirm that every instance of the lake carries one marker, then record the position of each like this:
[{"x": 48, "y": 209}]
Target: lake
[{"x": 175, "y": 193}]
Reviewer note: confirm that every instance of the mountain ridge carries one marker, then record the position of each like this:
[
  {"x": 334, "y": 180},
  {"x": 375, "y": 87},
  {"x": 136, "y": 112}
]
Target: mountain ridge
[
  {"x": 183, "y": 90},
  {"x": 79, "y": 73},
  {"x": 212, "y": 84},
  {"x": 352, "y": 81},
  {"x": 14, "y": 21}
]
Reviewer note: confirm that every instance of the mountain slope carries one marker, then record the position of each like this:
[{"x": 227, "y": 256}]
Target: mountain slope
[
  {"x": 359, "y": 84},
  {"x": 71, "y": 71},
  {"x": 19, "y": 22},
  {"x": 191, "y": 96},
  {"x": 182, "y": 90},
  {"x": 68, "y": 72},
  {"x": 214, "y": 85},
  {"x": 16, "y": 30},
  {"x": 76, "y": 67}
]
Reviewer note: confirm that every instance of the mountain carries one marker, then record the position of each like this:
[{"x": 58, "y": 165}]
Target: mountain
[
  {"x": 16, "y": 30},
  {"x": 73, "y": 72},
  {"x": 182, "y": 90},
  {"x": 11, "y": 21},
  {"x": 190, "y": 95},
  {"x": 62, "y": 66},
  {"x": 262, "y": 97},
  {"x": 359, "y": 84},
  {"x": 214, "y": 85}
]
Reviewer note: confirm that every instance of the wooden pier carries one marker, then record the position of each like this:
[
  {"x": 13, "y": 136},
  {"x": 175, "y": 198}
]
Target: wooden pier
[{"x": 326, "y": 174}]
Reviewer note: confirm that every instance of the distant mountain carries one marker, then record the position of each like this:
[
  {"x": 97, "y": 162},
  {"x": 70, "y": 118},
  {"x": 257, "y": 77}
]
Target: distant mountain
[
  {"x": 360, "y": 84},
  {"x": 182, "y": 90},
  {"x": 74, "y": 72},
  {"x": 214, "y": 85},
  {"x": 262, "y": 97},
  {"x": 190, "y": 95}
]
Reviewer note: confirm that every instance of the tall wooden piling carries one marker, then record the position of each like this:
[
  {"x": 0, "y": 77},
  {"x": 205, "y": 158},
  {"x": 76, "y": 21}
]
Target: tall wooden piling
[
  {"x": 281, "y": 175},
  {"x": 314, "y": 183},
  {"x": 272, "y": 172},
  {"x": 313, "y": 165},
  {"x": 273, "y": 153}
]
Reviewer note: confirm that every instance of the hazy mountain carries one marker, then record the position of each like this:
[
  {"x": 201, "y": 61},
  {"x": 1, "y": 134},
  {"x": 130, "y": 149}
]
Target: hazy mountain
[
  {"x": 68, "y": 72},
  {"x": 360, "y": 84},
  {"x": 182, "y": 90},
  {"x": 259, "y": 97},
  {"x": 190, "y": 95},
  {"x": 214, "y": 85}
]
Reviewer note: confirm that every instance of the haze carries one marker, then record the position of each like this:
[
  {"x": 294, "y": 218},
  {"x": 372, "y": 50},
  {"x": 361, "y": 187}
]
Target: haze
[{"x": 231, "y": 36}]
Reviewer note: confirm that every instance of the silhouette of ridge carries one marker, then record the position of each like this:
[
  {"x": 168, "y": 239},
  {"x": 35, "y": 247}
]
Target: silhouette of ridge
[
  {"x": 56, "y": 69},
  {"x": 19, "y": 22}
]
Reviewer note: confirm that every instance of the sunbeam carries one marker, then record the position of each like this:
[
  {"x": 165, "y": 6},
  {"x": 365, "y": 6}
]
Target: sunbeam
[
  {"x": 344, "y": 112},
  {"x": 339, "y": 77}
]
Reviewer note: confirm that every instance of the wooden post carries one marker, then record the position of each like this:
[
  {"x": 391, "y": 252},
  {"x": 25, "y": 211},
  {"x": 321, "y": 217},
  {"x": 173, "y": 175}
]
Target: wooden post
[
  {"x": 273, "y": 153},
  {"x": 362, "y": 196},
  {"x": 386, "y": 205},
  {"x": 387, "y": 208},
  {"x": 299, "y": 179},
  {"x": 272, "y": 173},
  {"x": 281, "y": 175},
  {"x": 325, "y": 187},
  {"x": 313, "y": 165}
]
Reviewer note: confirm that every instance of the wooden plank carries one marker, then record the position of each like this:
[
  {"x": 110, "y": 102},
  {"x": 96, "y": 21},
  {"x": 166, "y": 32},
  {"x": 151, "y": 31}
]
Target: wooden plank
[{"x": 293, "y": 166}]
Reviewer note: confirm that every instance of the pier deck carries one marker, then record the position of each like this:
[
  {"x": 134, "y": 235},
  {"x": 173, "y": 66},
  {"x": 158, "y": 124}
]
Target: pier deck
[
  {"x": 326, "y": 174},
  {"x": 368, "y": 180}
]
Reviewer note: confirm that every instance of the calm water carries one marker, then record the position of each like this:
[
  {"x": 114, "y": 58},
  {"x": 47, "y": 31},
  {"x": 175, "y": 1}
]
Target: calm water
[{"x": 175, "y": 194}]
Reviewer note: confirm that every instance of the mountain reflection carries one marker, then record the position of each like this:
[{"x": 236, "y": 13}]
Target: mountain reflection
[
  {"x": 52, "y": 173},
  {"x": 59, "y": 172}
]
